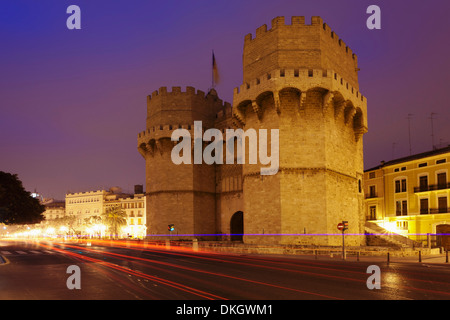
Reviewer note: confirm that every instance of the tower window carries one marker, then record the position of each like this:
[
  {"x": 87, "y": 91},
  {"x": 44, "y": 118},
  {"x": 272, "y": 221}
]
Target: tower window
[{"x": 424, "y": 164}]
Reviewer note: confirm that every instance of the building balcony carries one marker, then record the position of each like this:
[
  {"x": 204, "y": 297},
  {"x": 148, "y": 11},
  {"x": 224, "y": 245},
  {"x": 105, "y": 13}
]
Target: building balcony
[
  {"x": 432, "y": 187},
  {"x": 435, "y": 211},
  {"x": 371, "y": 195},
  {"x": 440, "y": 210}
]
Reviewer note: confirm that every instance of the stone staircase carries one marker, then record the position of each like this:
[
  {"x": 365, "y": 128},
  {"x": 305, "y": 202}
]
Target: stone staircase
[{"x": 381, "y": 237}]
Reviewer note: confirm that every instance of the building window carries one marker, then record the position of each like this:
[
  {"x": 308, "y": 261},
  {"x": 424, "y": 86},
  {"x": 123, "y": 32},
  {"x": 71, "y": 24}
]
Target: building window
[
  {"x": 404, "y": 207},
  {"x": 442, "y": 180},
  {"x": 423, "y": 183},
  {"x": 424, "y": 206},
  {"x": 400, "y": 185},
  {"x": 401, "y": 208},
  {"x": 372, "y": 192},
  {"x": 424, "y": 164},
  {"x": 442, "y": 204},
  {"x": 441, "y": 161},
  {"x": 403, "y": 185},
  {"x": 371, "y": 175}
]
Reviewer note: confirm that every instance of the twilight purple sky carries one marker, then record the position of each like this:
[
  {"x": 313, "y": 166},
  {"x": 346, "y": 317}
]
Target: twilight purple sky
[{"x": 73, "y": 101}]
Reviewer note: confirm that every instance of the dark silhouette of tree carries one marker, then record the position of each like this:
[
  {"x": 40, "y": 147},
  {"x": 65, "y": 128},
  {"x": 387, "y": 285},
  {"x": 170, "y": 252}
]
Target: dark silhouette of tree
[{"x": 17, "y": 206}]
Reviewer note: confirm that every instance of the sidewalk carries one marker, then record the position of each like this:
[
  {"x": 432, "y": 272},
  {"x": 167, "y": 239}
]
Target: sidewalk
[{"x": 352, "y": 257}]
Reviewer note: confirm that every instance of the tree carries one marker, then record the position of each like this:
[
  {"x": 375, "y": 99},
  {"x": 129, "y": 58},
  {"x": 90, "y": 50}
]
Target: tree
[
  {"x": 115, "y": 217},
  {"x": 17, "y": 206}
]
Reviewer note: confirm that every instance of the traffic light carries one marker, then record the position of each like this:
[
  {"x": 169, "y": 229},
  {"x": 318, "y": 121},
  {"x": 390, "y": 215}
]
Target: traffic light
[
  {"x": 345, "y": 223},
  {"x": 171, "y": 227}
]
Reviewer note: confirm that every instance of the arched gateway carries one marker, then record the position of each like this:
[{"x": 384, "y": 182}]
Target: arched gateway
[{"x": 237, "y": 226}]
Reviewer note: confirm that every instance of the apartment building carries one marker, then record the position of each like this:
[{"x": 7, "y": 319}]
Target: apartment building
[{"x": 410, "y": 196}]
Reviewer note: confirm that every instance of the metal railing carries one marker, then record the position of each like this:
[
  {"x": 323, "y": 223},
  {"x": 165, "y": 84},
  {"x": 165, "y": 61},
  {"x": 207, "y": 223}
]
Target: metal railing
[{"x": 432, "y": 187}]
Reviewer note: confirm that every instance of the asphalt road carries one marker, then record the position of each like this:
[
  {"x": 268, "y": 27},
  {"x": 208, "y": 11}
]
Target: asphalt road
[{"x": 112, "y": 271}]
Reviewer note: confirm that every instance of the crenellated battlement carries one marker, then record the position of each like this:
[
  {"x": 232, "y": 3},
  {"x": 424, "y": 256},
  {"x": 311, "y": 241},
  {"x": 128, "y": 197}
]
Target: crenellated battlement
[
  {"x": 178, "y": 107},
  {"x": 279, "y": 22},
  {"x": 299, "y": 21},
  {"x": 177, "y": 90},
  {"x": 298, "y": 45},
  {"x": 163, "y": 132},
  {"x": 189, "y": 92}
]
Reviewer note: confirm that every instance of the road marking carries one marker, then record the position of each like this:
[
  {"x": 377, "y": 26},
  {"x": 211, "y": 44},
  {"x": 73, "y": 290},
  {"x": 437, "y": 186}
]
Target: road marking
[
  {"x": 38, "y": 252},
  {"x": 6, "y": 252},
  {"x": 21, "y": 252},
  {"x": 48, "y": 251}
]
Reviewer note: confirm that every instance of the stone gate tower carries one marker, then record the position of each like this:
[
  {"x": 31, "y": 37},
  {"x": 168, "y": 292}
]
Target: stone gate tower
[
  {"x": 300, "y": 79},
  {"x": 182, "y": 195},
  {"x": 303, "y": 80}
]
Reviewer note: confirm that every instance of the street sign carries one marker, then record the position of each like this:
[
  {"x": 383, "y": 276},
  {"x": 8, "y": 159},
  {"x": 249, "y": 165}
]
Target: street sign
[{"x": 342, "y": 226}]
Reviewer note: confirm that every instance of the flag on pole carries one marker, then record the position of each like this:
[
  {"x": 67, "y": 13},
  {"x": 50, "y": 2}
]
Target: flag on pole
[{"x": 215, "y": 71}]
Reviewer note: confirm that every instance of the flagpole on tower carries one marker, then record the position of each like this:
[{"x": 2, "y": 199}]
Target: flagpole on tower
[
  {"x": 214, "y": 73},
  {"x": 212, "y": 70}
]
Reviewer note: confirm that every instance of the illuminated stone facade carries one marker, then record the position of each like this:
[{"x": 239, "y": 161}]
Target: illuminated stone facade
[
  {"x": 88, "y": 207},
  {"x": 410, "y": 196},
  {"x": 300, "y": 79}
]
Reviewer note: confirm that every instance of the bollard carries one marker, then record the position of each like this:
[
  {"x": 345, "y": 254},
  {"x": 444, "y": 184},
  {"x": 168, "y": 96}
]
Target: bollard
[
  {"x": 315, "y": 254},
  {"x": 357, "y": 256},
  {"x": 420, "y": 256},
  {"x": 388, "y": 258},
  {"x": 446, "y": 256}
]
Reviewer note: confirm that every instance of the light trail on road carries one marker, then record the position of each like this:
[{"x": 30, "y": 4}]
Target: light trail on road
[
  {"x": 204, "y": 272},
  {"x": 307, "y": 264},
  {"x": 273, "y": 265},
  {"x": 170, "y": 283},
  {"x": 154, "y": 272}
]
